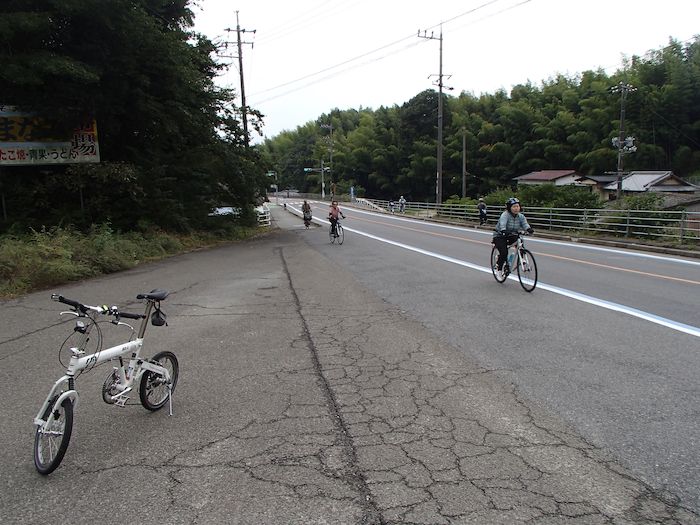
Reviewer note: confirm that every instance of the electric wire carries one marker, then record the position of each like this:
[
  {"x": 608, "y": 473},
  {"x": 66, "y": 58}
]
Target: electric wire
[
  {"x": 332, "y": 75},
  {"x": 294, "y": 27},
  {"x": 368, "y": 53}
]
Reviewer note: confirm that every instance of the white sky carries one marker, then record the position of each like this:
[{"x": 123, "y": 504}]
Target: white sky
[{"x": 487, "y": 45}]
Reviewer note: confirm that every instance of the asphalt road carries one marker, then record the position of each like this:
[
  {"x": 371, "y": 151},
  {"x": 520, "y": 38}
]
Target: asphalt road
[
  {"x": 618, "y": 364},
  {"x": 362, "y": 383}
]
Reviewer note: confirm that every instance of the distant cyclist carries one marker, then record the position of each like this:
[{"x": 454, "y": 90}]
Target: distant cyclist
[
  {"x": 509, "y": 224},
  {"x": 333, "y": 213},
  {"x": 483, "y": 214},
  {"x": 402, "y": 204},
  {"x": 306, "y": 210}
]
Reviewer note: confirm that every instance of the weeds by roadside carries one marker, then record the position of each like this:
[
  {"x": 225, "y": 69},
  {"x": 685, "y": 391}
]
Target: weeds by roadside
[{"x": 48, "y": 257}]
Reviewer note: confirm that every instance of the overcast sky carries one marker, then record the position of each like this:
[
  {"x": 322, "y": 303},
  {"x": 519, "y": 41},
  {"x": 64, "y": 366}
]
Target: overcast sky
[{"x": 311, "y": 56}]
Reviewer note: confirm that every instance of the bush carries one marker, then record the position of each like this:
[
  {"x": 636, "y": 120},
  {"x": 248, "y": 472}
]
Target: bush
[
  {"x": 45, "y": 258},
  {"x": 644, "y": 201}
]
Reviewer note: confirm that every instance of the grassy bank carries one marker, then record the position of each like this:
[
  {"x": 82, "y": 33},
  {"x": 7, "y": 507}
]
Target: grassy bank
[{"x": 45, "y": 258}]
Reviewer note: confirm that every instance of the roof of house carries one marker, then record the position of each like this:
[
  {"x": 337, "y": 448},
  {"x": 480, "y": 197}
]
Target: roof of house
[
  {"x": 673, "y": 200},
  {"x": 600, "y": 179},
  {"x": 645, "y": 180},
  {"x": 546, "y": 175}
]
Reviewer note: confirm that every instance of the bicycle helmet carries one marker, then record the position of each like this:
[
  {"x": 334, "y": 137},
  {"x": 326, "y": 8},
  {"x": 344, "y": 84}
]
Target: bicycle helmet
[{"x": 510, "y": 202}]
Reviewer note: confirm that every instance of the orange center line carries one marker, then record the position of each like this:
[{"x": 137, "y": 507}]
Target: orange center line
[{"x": 539, "y": 254}]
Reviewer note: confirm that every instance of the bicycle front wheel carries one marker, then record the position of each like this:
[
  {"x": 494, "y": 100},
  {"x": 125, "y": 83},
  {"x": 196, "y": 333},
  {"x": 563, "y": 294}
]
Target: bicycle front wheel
[
  {"x": 494, "y": 266},
  {"x": 527, "y": 270},
  {"x": 153, "y": 389},
  {"x": 332, "y": 234},
  {"x": 341, "y": 234},
  {"x": 51, "y": 440}
]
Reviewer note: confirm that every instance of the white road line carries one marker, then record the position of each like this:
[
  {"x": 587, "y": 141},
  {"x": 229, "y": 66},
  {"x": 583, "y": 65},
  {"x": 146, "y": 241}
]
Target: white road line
[
  {"x": 602, "y": 303},
  {"x": 537, "y": 240}
]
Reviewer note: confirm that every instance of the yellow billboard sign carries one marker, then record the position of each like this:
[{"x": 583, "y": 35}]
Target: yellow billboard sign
[{"x": 27, "y": 139}]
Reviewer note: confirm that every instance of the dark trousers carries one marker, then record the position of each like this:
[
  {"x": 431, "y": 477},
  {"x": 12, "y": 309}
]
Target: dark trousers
[
  {"x": 482, "y": 217},
  {"x": 502, "y": 242},
  {"x": 333, "y": 221}
]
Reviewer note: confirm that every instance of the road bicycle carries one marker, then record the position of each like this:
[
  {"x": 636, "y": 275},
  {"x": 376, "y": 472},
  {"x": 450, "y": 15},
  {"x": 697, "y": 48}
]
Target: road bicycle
[
  {"x": 156, "y": 377},
  {"x": 337, "y": 235},
  {"x": 522, "y": 259}
]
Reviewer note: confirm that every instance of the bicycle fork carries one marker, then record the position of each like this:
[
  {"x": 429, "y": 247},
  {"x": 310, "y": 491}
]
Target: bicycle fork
[{"x": 71, "y": 394}]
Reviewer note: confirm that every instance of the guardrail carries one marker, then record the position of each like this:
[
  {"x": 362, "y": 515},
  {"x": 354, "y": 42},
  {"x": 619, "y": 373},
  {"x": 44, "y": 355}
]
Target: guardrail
[
  {"x": 262, "y": 212},
  {"x": 679, "y": 226},
  {"x": 263, "y": 215}
]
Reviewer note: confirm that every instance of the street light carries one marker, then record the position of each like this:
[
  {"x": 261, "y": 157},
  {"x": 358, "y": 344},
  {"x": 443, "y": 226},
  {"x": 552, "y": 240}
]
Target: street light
[
  {"x": 322, "y": 169},
  {"x": 330, "y": 171},
  {"x": 277, "y": 187}
]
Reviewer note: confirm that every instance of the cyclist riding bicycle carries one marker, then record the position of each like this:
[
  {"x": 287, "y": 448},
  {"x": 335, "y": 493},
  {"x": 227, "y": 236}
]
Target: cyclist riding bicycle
[
  {"x": 509, "y": 224},
  {"x": 333, "y": 213}
]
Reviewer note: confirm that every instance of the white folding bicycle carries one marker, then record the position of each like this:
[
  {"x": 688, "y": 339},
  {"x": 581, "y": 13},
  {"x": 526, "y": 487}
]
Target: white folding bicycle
[{"x": 156, "y": 376}]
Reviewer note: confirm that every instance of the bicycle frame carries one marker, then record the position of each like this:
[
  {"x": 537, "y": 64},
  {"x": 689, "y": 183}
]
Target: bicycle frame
[
  {"x": 518, "y": 245},
  {"x": 79, "y": 362}
]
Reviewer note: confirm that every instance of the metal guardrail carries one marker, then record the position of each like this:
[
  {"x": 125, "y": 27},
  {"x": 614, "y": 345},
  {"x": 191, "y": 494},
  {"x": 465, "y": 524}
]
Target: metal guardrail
[
  {"x": 680, "y": 226},
  {"x": 263, "y": 215},
  {"x": 262, "y": 212}
]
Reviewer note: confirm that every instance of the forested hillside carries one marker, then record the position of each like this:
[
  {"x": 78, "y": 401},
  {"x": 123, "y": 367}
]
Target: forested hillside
[{"x": 563, "y": 123}]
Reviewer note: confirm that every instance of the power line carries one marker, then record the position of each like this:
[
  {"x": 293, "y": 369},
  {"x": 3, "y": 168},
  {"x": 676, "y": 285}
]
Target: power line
[
  {"x": 303, "y": 21},
  {"x": 337, "y": 73},
  {"x": 409, "y": 37},
  {"x": 334, "y": 67}
]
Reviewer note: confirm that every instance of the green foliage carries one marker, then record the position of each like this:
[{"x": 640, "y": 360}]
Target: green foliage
[
  {"x": 551, "y": 196},
  {"x": 49, "y": 257},
  {"x": 170, "y": 141},
  {"x": 645, "y": 201},
  {"x": 563, "y": 123}
]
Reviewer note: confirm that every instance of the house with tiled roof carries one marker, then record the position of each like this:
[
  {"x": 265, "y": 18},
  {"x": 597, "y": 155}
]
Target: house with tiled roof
[
  {"x": 556, "y": 177},
  {"x": 656, "y": 181}
]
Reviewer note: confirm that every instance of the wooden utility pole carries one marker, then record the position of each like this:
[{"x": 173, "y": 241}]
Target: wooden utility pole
[
  {"x": 244, "y": 107},
  {"x": 464, "y": 162},
  {"x": 438, "y": 182},
  {"x": 622, "y": 147}
]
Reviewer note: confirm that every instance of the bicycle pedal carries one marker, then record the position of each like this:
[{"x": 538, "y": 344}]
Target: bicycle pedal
[{"x": 121, "y": 401}]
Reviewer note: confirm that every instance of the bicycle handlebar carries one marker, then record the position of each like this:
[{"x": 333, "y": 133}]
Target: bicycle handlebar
[
  {"x": 69, "y": 302},
  {"x": 522, "y": 233},
  {"x": 99, "y": 309}
]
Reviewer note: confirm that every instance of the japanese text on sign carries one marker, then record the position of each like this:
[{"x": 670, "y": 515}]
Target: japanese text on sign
[{"x": 28, "y": 139}]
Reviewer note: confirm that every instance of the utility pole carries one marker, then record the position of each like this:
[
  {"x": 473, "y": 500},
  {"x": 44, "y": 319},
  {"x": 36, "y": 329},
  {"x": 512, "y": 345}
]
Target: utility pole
[
  {"x": 438, "y": 184},
  {"x": 623, "y": 145},
  {"x": 244, "y": 108},
  {"x": 464, "y": 162},
  {"x": 330, "y": 127}
]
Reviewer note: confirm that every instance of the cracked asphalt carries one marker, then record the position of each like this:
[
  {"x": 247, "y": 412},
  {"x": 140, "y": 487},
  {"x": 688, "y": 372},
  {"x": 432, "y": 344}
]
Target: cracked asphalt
[{"x": 303, "y": 399}]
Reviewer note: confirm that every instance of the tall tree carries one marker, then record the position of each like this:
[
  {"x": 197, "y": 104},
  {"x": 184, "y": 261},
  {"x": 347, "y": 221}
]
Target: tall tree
[{"x": 136, "y": 67}]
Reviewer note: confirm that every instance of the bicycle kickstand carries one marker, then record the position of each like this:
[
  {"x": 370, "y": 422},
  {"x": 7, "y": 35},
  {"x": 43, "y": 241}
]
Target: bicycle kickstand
[{"x": 170, "y": 399}]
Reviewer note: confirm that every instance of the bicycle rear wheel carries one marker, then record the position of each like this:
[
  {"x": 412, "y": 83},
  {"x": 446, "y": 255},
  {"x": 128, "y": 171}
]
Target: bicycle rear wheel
[
  {"x": 331, "y": 234},
  {"x": 494, "y": 266},
  {"x": 153, "y": 389},
  {"x": 51, "y": 440},
  {"x": 527, "y": 270},
  {"x": 341, "y": 234}
]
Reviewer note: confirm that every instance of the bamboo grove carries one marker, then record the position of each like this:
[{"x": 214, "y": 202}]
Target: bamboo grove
[{"x": 563, "y": 123}]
